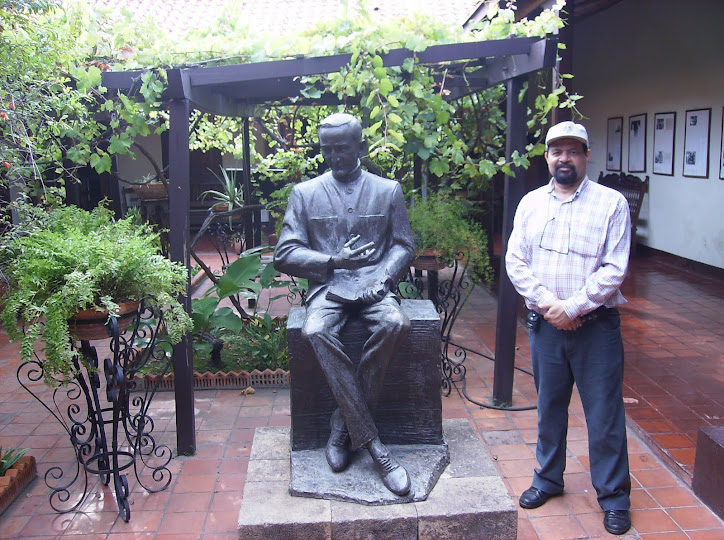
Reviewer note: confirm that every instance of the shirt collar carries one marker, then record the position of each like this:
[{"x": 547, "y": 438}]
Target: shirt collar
[{"x": 581, "y": 187}]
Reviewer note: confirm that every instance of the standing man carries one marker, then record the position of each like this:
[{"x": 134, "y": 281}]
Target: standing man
[
  {"x": 567, "y": 256},
  {"x": 347, "y": 232}
]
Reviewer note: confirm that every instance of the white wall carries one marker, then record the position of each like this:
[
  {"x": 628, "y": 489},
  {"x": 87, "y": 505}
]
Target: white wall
[{"x": 652, "y": 56}]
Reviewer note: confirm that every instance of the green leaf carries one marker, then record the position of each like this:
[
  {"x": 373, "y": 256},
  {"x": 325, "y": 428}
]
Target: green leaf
[
  {"x": 377, "y": 61},
  {"x": 385, "y": 86},
  {"x": 226, "y": 318},
  {"x": 439, "y": 167},
  {"x": 311, "y": 92}
]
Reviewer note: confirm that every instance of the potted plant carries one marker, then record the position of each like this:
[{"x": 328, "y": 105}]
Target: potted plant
[
  {"x": 229, "y": 196},
  {"x": 444, "y": 232},
  {"x": 16, "y": 471},
  {"x": 66, "y": 260}
]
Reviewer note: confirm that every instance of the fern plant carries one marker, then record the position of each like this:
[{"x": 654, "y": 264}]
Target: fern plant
[{"x": 68, "y": 259}]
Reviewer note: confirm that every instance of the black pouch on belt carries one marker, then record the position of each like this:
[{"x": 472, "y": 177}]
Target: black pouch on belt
[{"x": 532, "y": 321}]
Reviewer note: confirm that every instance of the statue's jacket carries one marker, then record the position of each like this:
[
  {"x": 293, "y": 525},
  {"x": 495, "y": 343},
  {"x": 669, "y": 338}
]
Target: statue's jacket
[{"x": 323, "y": 214}]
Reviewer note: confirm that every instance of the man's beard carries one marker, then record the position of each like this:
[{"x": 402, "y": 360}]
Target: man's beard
[{"x": 566, "y": 178}]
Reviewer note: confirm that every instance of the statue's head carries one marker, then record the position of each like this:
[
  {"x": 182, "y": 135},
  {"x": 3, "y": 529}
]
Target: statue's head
[{"x": 340, "y": 138}]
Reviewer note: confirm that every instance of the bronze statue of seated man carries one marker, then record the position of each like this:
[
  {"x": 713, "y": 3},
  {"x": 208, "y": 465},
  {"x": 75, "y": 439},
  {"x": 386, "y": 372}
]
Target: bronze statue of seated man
[{"x": 348, "y": 233}]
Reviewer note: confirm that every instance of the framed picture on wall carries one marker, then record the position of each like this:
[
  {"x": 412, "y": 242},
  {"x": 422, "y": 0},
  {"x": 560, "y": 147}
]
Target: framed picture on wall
[
  {"x": 613, "y": 146},
  {"x": 721, "y": 153},
  {"x": 664, "y": 134},
  {"x": 696, "y": 143},
  {"x": 637, "y": 143}
]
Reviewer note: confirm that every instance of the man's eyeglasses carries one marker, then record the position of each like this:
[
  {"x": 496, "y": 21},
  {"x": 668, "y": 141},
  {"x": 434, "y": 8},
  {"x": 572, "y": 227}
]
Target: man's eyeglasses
[{"x": 554, "y": 238}]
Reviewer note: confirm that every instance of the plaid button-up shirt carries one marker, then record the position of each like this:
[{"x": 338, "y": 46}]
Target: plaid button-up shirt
[{"x": 575, "y": 250}]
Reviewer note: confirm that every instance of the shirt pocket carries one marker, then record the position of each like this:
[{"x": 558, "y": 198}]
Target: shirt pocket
[
  {"x": 371, "y": 228},
  {"x": 324, "y": 231},
  {"x": 587, "y": 241}
]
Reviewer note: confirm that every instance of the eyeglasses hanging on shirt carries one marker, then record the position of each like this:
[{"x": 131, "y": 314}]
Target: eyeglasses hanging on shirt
[{"x": 556, "y": 234}]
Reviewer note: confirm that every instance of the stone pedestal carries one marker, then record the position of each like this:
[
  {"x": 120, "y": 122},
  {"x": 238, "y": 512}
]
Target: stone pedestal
[
  {"x": 410, "y": 406},
  {"x": 469, "y": 500}
]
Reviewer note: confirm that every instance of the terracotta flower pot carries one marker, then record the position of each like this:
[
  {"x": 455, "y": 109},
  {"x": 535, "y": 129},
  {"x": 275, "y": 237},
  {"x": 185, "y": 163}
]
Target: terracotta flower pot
[
  {"x": 151, "y": 191},
  {"x": 90, "y": 324},
  {"x": 429, "y": 260}
]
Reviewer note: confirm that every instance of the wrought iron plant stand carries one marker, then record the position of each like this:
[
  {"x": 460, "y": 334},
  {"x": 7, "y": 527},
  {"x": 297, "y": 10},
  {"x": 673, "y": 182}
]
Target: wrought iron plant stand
[{"x": 107, "y": 440}]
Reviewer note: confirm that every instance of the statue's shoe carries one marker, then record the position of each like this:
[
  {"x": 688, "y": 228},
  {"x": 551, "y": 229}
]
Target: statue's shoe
[
  {"x": 394, "y": 475},
  {"x": 337, "y": 450}
]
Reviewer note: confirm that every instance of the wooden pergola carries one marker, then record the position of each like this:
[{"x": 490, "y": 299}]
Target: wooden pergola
[{"x": 237, "y": 90}]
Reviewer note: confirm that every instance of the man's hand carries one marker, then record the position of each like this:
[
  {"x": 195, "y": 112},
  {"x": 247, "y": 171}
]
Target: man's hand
[
  {"x": 351, "y": 259},
  {"x": 557, "y": 316}
]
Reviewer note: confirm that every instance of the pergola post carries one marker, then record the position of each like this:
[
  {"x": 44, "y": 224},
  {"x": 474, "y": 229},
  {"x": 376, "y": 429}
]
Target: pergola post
[
  {"x": 179, "y": 212},
  {"x": 508, "y": 297}
]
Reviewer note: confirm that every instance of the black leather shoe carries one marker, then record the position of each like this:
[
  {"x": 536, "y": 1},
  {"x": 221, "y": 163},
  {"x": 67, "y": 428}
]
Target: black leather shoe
[
  {"x": 533, "y": 498},
  {"x": 616, "y": 521},
  {"x": 337, "y": 450}
]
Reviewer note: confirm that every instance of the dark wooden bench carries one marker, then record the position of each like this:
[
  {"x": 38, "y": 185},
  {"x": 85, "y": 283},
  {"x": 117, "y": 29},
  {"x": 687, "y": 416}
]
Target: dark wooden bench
[{"x": 634, "y": 189}]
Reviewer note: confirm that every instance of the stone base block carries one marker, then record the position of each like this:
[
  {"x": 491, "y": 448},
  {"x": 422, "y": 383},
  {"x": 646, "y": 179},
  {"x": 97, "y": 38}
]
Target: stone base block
[{"x": 469, "y": 500}]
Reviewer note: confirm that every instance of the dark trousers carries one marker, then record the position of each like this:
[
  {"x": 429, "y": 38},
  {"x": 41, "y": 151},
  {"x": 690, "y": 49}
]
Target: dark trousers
[
  {"x": 355, "y": 388},
  {"x": 592, "y": 358}
]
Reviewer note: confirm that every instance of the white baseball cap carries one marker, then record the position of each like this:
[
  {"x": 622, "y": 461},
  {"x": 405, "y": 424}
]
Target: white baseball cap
[{"x": 567, "y": 130}]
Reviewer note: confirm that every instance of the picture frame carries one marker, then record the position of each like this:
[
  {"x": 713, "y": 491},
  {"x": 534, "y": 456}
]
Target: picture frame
[
  {"x": 637, "y": 143},
  {"x": 614, "y": 143},
  {"x": 664, "y": 143},
  {"x": 721, "y": 153},
  {"x": 696, "y": 143}
]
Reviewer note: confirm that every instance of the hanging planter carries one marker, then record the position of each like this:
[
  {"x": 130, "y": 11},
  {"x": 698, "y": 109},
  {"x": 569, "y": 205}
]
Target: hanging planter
[
  {"x": 150, "y": 191},
  {"x": 91, "y": 324}
]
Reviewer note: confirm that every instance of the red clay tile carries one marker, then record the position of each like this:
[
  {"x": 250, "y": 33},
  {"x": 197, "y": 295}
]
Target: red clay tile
[
  {"x": 652, "y": 520},
  {"x": 194, "y": 466},
  {"x": 641, "y": 499},
  {"x": 655, "y": 478},
  {"x": 670, "y": 497},
  {"x": 183, "y": 523},
  {"x": 695, "y": 518},
  {"x": 674, "y": 440},
  {"x": 507, "y": 452},
  {"x": 555, "y": 528},
  {"x": 188, "y": 502},
  {"x": 526, "y": 530},
  {"x": 683, "y": 456},
  {"x": 222, "y": 522},
  {"x": 665, "y": 536},
  {"x": 643, "y": 461}
]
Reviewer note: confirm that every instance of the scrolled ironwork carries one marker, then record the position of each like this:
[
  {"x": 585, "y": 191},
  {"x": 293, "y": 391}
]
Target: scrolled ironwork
[{"x": 77, "y": 407}]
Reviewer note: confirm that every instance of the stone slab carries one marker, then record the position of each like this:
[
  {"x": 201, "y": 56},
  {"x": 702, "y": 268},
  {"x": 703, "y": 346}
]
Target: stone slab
[
  {"x": 469, "y": 500},
  {"x": 360, "y": 482}
]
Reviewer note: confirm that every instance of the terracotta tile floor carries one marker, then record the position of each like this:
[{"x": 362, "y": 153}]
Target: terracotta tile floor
[{"x": 674, "y": 384}]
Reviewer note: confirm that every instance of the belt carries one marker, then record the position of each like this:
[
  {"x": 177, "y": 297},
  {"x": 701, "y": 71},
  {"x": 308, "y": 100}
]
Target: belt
[{"x": 597, "y": 313}]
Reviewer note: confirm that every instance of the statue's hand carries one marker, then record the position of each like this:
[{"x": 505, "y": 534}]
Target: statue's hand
[
  {"x": 352, "y": 258},
  {"x": 377, "y": 293}
]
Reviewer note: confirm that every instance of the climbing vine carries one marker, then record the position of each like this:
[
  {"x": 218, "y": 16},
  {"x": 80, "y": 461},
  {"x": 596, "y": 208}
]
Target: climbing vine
[{"x": 56, "y": 118}]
